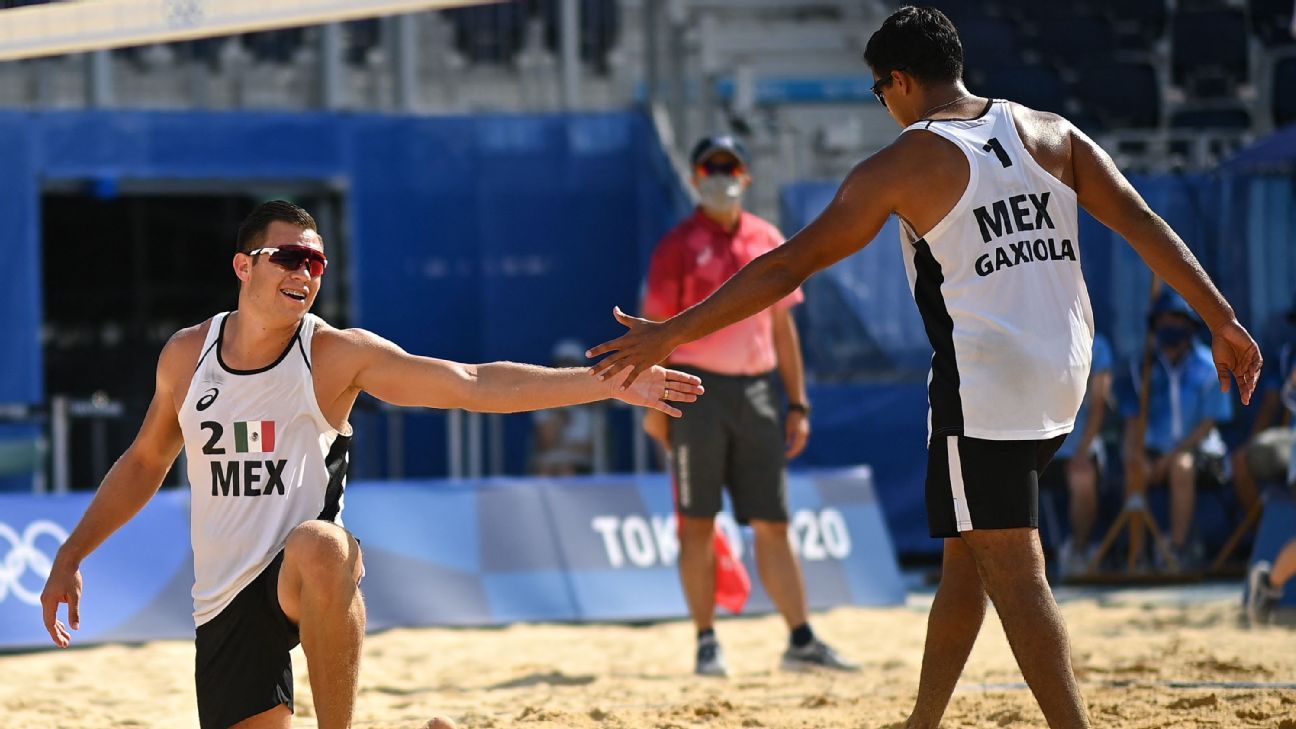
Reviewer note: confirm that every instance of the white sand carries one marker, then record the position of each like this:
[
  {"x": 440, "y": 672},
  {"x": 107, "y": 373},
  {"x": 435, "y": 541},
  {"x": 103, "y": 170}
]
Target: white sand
[{"x": 622, "y": 677}]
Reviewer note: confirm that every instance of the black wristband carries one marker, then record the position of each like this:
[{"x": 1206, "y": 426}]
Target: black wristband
[{"x": 801, "y": 407}]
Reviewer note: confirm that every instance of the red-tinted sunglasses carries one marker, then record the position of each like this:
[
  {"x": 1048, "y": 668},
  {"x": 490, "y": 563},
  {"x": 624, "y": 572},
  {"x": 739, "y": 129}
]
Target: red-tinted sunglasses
[
  {"x": 291, "y": 258},
  {"x": 715, "y": 167}
]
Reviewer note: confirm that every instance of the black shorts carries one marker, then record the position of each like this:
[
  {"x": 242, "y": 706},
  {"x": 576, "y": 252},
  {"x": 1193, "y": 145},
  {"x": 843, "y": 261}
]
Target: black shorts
[
  {"x": 243, "y": 665},
  {"x": 732, "y": 437},
  {"x": 984, "y": 484}
]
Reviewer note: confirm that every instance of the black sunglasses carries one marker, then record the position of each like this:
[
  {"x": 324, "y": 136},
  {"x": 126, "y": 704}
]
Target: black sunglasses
[
  {"x": 882, "y": 83},
  {"x": 291, "y": 258}
]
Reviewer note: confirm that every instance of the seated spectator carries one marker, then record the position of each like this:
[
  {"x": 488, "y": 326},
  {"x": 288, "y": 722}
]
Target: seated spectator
[
  {"x": 1265, "y": 457},
  {"x": 1078, "y": 464},
  {"x": 563, "y": 438},
  {"x": 1266, "y": 581},
  {"x": 1181, "y": 446}
]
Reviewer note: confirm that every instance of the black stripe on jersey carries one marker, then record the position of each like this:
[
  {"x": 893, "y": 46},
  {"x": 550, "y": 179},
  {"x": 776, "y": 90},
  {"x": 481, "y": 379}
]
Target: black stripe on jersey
[
  {"x": 989, "y": 105},
  {"x": 302, "y": 347},
  {"x": 221, "y": 337},
  {"x": 206, "y": 352},
  {"x": 336, "y": 464},
  {"x": 943, "y": 392}
]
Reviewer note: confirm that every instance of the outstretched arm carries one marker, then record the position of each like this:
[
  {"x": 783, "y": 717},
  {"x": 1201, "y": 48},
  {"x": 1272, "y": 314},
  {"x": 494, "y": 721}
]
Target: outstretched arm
[
  {"x": 127, "y": 487},
  {"x": 391, "y": 374},
  {"x": 852, "y": 219},
  {"x": 1109, "y": 197}
]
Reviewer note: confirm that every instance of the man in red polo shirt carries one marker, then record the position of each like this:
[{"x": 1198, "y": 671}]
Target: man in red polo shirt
[{"x": 733, "y": 437}]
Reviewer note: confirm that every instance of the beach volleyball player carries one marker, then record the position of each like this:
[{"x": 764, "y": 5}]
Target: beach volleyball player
[
  {"x": 987, "y": 192},
  {"x": 259, "y": 398}
]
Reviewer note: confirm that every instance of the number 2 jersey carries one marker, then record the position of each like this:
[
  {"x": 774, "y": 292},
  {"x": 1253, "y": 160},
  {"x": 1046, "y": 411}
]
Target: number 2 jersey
[
  {"x": 1001, "y": 293},
  {"x": 262, "y": 459}
]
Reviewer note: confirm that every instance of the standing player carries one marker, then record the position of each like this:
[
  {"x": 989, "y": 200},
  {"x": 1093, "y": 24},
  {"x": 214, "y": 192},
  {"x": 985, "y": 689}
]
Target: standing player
[
  {"x": 260, "y": 400},
  {"x": 987, "y": 191},
  {"x": 733, "y": 438}
]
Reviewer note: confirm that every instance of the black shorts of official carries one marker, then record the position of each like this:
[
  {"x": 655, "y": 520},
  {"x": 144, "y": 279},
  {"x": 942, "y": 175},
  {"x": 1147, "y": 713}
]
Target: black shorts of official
[
  {"x": 243, "y": 666},
  {"x": 984, "y": 484},
  {"x": 731, "y": 438}
]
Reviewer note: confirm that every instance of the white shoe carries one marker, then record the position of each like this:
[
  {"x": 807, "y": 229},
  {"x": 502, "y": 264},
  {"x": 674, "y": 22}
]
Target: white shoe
[
  {"x": 710, "y": 659},
  {"x": 1261, "y": 597}
]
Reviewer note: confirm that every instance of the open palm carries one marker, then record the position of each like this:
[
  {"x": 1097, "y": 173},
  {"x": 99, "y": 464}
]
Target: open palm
[{"x": 657, "y": 388}]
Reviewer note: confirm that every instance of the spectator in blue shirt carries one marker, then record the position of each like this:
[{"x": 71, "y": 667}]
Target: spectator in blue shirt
[
  {"x": 1184, "y": 405},
  {"x": 1078, "y": 462},
  {"x": 1266, "y": 455}
]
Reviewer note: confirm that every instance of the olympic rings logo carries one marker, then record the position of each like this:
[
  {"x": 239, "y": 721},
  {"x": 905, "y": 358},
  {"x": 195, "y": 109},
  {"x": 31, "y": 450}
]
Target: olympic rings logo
[{"x": 24, "y": 554}]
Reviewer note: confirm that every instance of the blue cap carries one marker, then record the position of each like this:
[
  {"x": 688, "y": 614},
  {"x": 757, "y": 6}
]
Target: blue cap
[
  {"x": 1170, "y": 302},
  {"x": 719, "y": 143}
]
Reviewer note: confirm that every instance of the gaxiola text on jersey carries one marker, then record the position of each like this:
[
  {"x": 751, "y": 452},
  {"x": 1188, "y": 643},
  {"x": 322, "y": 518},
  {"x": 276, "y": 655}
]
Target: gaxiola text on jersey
[{"x": 1013, "y": 216}]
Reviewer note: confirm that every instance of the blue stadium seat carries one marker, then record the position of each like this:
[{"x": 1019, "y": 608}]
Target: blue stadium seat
[
  {"x": 1120, "y": 94},
  {"x": 1284, "y": 92},
  {"x": 1034, "y": 10},
  {"x": 362, "y": 36},
  {"x": 277, "y": 46},
  {"x": 1074, "y": 42},
  {"x": 1209, "y": 52},
  {"x": 1220, "y": 119},
  {"x": 961, "y": 11},
  {"x": 1136, "y": 23},
  {"x": 1039, "y": 87},
  {"x": 489, "y": 33},
  {"x": 600, "y": 25},
  {"x": 988, "y": 43},
  {"x": 1272, "y": 21}
]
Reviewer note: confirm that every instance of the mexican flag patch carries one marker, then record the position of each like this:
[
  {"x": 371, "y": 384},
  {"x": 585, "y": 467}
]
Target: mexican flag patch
[{"x": 254, "y": 436}]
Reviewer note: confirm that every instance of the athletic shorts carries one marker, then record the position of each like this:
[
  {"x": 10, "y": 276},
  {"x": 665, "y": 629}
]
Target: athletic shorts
[
  {"x": 1269, "y": 455},
  {"x": 984, "y": 484},
  {"x": 243, "y": 666},
  {"x": 733, "y": 437}
]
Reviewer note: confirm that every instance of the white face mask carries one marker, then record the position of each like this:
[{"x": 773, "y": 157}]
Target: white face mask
[{"x": 721, "y": 193}]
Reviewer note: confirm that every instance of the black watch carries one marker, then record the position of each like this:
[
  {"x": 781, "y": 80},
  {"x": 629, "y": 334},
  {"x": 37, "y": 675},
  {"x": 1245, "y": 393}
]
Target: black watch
[{"x": 801, "y": 407}]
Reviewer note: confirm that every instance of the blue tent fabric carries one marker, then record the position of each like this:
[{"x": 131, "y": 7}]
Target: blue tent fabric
[{"x": 1274, "y": 153}]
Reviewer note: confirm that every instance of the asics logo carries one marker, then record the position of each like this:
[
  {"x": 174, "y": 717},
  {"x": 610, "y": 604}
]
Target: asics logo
[
  {"x": 23, "y": 554},
  {"x": 207, "y": 399}
]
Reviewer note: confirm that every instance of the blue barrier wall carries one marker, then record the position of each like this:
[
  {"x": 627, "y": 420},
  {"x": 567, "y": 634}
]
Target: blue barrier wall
[
  {"x": 473, "y": 238},
  {"x": 447, "y": 553}
]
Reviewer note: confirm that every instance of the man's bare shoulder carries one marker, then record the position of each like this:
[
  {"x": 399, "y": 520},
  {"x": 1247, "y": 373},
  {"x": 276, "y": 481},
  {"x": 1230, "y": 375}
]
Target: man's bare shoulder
[
  {"x": 1048, "y": 137},
  {"x": 331, "y": 343},
  {"x": 180, "y": 355},
  {"x": 184, "y": 348}
]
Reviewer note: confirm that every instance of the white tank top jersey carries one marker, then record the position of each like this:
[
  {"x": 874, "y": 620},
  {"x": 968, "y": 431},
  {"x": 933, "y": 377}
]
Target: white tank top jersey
[
  {"x": 1001, "y": 293},
  {"x": 262, "y": 460}
]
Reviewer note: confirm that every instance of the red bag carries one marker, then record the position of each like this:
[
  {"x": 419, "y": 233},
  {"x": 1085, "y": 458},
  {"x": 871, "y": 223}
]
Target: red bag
[{"x": 733, "y": 584}]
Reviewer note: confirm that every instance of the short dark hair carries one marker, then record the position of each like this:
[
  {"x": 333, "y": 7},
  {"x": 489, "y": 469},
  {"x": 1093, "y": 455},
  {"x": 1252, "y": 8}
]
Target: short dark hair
[
  {"x": 919, "y": 40},
  {"x": 254, "y": 225}
]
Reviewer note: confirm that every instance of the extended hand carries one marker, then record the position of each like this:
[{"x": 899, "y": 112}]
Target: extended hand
[
  {"x": 1236, "y": 352},
  {"x": 657, "y": 389},
  {"x": 645, "y": 345},
  {"x": 63, "y": 585}
]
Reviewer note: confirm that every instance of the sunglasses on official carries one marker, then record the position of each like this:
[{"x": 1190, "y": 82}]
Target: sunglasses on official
[
  {"x": 716, "y": 167},
  {"x": 291, "y": 258}
]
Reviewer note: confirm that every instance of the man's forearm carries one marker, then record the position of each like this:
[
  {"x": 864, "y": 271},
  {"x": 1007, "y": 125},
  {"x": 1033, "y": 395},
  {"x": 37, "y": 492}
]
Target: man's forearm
[
  {"x": 129, "y": 485},
  {"x": 1165, "y": 253},
  {"x": 509, "y": 387},
  {"x": 759, "y": 285}
]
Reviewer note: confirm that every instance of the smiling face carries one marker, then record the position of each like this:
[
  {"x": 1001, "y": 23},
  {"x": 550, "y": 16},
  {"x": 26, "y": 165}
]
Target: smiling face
[{"x": 272, "y": 289}]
